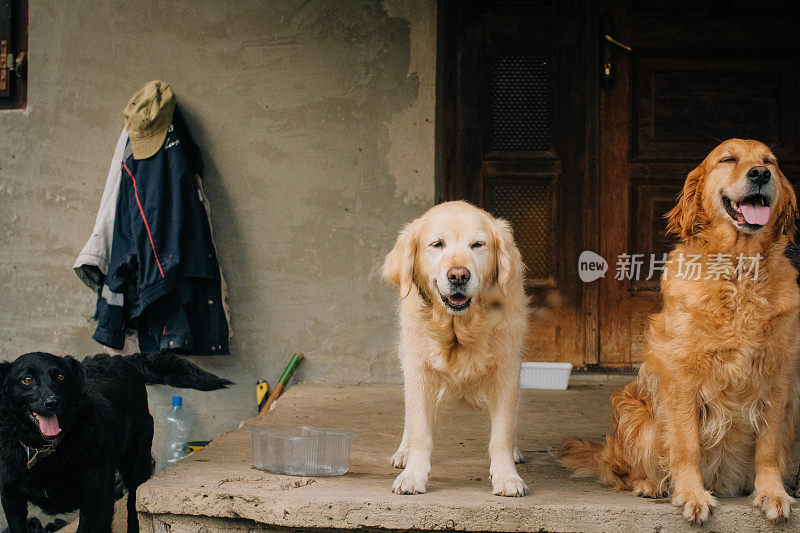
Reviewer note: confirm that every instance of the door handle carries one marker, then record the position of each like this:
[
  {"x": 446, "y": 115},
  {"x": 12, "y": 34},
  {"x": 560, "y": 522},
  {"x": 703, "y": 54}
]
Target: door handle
[
  {"x": 608, "y": 66},
  {"x": 610, "y": 39}
]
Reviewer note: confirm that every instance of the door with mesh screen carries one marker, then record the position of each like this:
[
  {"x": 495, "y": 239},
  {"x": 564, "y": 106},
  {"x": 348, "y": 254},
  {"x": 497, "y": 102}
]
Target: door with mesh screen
[{"x": 515, "y": 134}]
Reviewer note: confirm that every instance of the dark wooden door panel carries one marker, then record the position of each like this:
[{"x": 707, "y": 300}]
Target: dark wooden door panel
[
  {"x": 651, "y": 197},
  {"x": 682, "y": 104},
  {"x": 698, "y": 8}
]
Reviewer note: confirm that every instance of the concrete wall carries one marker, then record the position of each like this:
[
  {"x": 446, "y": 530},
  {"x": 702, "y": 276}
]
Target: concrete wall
[{"x": 316, "y": 122}]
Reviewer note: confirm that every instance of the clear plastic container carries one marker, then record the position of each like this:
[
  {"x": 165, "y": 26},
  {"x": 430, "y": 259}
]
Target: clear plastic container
[{"x": 301, "y": 451}]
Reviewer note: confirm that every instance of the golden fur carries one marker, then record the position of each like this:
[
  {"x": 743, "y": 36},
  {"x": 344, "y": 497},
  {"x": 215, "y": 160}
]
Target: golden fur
[
  {"x": 715, "y": 404},
  {"x": 472, "y": 354}
]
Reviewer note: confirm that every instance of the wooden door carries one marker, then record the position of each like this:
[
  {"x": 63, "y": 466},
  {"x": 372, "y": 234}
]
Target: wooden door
[
  {"x": 698, "y": 71},
  {"x": 517, "y": 95}
]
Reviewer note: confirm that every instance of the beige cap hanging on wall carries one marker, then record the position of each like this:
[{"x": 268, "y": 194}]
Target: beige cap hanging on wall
[{"x": 148, "y": 116}]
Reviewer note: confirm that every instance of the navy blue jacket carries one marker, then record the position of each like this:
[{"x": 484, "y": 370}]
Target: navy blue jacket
[{"x": 163, "y": 276}]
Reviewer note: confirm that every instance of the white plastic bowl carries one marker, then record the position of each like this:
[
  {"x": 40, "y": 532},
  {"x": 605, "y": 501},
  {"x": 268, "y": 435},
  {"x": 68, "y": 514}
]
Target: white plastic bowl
[{"x": 545, "y": 375}]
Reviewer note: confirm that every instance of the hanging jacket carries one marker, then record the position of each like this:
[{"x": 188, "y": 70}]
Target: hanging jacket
[
  {"x": 92, "y": 262},
  {"x": 163, "y": 276}
]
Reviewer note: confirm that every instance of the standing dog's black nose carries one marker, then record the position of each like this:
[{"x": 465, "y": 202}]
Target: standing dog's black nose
[
  {"x": 51, "y": 403},
  {"x": 759, "y": 175},
  {"x": 458, "y": 275}
]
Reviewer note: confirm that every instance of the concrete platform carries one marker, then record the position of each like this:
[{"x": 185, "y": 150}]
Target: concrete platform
[{"x": 216, "y": 489}]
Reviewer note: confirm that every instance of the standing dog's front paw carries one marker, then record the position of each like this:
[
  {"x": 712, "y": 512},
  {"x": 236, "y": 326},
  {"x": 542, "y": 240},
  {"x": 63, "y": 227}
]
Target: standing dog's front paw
[
  {"x": 410, "y": 482},
  {"x": 400, "y": 458},
  {"x": 697, "y": 505},
  {"x": 776, "y": 506},
  {"x": 509, "y": 485}
]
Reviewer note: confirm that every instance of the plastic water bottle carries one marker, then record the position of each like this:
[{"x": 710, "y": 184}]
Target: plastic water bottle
[{"x": 176, "y": 433}]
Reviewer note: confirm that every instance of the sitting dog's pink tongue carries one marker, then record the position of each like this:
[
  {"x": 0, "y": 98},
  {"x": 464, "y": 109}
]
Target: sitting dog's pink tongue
[
  {"x": 48, "y": 425},
  {"x": 755, "y": 213}
]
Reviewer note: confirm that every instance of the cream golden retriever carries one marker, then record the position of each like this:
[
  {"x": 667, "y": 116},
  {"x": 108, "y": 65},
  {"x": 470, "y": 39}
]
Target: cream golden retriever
[
  {"x": 715, "y": 404},
  {"x": 463, "y": 317}
]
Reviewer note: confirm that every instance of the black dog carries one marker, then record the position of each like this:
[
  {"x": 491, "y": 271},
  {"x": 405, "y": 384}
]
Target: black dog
[{"x": 66, "y": 427}]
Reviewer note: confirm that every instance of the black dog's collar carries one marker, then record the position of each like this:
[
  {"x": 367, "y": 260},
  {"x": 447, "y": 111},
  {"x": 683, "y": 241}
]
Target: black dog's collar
[{"x": 35, "y": 454}]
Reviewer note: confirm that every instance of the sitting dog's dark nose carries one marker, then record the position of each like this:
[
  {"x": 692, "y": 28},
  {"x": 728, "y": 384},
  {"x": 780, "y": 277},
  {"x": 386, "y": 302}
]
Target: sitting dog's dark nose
[
  {"x": 51, "y": 403},
  {"x": 458, "y": 275},
  {"x": 759, "y": 175}
]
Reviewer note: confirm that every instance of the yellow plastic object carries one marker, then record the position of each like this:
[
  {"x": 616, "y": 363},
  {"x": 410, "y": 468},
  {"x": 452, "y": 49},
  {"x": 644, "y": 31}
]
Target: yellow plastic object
[{"x": 262, "y": 393}]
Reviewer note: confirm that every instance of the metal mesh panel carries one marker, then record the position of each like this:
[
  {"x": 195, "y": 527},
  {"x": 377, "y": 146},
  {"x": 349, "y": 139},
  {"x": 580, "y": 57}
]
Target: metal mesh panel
[
  {"x": 520, "y": 103},
  {"x": 527, "y": 205}
]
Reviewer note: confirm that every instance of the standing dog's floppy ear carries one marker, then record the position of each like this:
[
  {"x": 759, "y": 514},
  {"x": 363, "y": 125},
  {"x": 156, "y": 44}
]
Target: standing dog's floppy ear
[
  {"x": 687, "y": 218},
  {"x": 507, "y": 256},
  {"x": 398, "y": 267},
  {"x": 76, "y": 367}
]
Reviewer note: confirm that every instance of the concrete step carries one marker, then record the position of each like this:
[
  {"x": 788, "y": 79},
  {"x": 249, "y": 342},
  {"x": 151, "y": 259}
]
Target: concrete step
[{"x": 217, "y": 489}]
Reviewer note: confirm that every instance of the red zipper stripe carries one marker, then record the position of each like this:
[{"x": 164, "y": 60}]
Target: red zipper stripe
[{"x": 146, "y": 225}]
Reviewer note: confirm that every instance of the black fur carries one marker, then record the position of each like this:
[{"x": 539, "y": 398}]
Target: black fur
[
  {"x": 174, "y": 371},
  {"x": 101, "y": 405}
]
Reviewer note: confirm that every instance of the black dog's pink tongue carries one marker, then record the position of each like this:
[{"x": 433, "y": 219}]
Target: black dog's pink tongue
[{"x": 48, "y": 425}]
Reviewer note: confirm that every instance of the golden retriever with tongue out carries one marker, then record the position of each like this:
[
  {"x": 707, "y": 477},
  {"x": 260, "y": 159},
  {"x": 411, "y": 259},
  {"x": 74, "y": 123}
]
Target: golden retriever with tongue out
[
  {"x": 463, "y": 317},
  {"x": 715, "y": 405}
]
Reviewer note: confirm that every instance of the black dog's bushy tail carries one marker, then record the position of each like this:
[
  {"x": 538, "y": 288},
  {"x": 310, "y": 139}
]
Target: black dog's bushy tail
[{"x": 169, "y": 369}]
